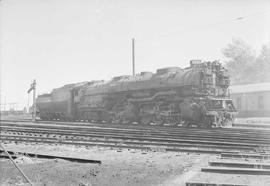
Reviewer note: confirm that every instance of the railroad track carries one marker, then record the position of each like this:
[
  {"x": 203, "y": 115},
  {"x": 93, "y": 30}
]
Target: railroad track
[
  {"x": 87, "y": 123},
  {"x": 153, "y": 131},
  {"x": 121, "y": 126},
  {"x": 138, "y": 137},
  {"x": 229, "y": 143}
]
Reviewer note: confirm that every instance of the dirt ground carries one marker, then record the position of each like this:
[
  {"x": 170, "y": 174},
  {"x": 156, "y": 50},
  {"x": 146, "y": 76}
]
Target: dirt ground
[
  {"x": 118, "y": 168},
  {"x": 125, "y": 167}
]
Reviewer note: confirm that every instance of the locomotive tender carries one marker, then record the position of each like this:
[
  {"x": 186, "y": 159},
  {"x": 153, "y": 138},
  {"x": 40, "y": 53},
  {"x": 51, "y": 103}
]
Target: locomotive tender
[{"x": 193, "y": 96}]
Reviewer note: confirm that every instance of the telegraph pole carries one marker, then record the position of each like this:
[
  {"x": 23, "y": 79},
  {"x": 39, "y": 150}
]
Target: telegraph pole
[{"x": 133, "y": 56}]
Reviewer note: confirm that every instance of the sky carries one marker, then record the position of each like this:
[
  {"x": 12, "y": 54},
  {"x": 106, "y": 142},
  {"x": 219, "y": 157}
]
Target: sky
[{"x": 58, "y": 42}]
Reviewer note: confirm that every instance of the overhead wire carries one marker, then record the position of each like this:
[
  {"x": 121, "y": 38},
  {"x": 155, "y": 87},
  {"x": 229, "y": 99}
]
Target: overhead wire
[{"x": 206, "y": 26}]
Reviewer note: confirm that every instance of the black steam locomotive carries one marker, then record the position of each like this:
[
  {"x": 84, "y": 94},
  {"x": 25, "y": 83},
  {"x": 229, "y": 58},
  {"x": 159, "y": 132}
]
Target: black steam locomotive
[{"x": 193, "y": 96}]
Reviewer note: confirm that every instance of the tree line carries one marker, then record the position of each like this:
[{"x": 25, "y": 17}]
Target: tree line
[{"x": 244, "y": 65}]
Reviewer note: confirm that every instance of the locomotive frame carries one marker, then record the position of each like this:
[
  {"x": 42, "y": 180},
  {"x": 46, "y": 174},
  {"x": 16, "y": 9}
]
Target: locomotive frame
[{"x": 194, "y": 96}]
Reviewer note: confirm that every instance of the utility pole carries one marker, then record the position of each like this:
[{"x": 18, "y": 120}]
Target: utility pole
[
  {"x": 133, "y": 56},
  {"x": 33, "y": 87}
]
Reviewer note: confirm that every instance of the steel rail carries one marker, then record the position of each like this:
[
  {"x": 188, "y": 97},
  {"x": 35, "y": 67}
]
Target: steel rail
[
  {"x": 208, "y": 146},
  {"x": 14, "y": 155},
  {"x": 240, "y": 164},
  {"x": 15, "y": 164},
  {"x": 236, "y": 170},
  {"x": 143, "y": 127},
  {"x": 240, "y": 126},
  {"x": 214, "y": 133},
  {"x": 179, "y": 139},
  {"x": 153, "y": 133},
  {"x": 138, "y": 137},
  {"x": 242, "y": 156},
  {"x": 212, "y": 184},
  {"x": 90, "y": 133},
  {"x": 123, "y": 146}
]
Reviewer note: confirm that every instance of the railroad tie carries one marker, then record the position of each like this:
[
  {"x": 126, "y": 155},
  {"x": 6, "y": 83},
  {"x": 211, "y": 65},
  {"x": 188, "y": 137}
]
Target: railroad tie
[
  {"x": 225, "y": 170},
  {"x": 210, "y": 184},
  {"x": 240, "y": 165}
]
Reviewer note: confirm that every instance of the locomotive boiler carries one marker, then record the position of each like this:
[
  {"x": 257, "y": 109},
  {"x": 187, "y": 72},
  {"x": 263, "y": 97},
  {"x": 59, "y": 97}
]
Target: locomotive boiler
[{"x": 193, "y": 96}]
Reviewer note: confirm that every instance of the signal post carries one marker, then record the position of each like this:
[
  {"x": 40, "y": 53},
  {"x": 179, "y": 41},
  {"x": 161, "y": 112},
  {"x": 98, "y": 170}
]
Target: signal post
[{"x": 33, "y": 88}]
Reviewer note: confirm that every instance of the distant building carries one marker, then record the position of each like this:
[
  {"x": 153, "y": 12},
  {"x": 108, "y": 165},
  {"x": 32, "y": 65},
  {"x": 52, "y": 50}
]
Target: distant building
[
  {"x": 251, "y": 100},
  {"x": 11, "y": 112}
]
